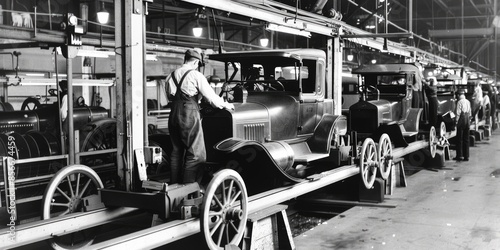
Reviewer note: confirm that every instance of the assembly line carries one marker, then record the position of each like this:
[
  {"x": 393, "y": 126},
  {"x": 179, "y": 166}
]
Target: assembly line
[{"x": 204, "y": 136}]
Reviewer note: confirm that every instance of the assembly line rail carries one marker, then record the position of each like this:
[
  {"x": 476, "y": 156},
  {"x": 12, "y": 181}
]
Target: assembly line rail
[
  {"x": 45, "y": 229},
  {"x": 169, "y": 232},
  {"x": 415, "y": 146}
]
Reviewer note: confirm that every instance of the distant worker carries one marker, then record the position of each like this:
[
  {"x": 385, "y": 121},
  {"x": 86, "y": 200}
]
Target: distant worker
[
  {"x": 417, "y": 100},
  {"x": 399, "y": 81},
  {"x": 185, "y": 87},
  {"x": 64, "y": 99},
  {"x": 462, "y": 123},
  {"x": 486, "y": 107},
  {"x": 430, "y": 88},
  {"x": 477, "y": 101}
]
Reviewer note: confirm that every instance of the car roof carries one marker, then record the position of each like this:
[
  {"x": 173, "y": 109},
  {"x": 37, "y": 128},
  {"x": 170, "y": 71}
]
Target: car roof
[
  {"x": 386, "y": 68},
  {"x": 295, "y": 54}
]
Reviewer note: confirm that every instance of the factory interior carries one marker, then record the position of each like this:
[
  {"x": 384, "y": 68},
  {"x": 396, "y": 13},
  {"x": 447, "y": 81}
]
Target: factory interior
[{"x": 239, "y": 124}]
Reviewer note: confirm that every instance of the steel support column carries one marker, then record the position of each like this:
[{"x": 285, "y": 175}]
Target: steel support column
[
  {"x": 337, "y": 75},
  {"x": 130, "y": 90},
  {"x": 329, "y": 69}
]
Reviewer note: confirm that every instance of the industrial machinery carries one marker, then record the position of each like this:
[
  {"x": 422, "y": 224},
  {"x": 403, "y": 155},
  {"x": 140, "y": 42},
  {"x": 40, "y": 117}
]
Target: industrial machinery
[{"x": 33, "y": 136}]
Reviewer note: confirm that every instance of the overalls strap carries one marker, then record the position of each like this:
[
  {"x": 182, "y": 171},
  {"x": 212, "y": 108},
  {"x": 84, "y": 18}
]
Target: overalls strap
[{"x": 179, "y": 84}]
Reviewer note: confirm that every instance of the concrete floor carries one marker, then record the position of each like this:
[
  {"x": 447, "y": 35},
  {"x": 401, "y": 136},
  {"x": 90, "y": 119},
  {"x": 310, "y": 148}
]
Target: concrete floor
[{"x": 457, "y": 207}]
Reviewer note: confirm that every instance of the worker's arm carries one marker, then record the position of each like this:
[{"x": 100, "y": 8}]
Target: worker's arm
[{"x": 209, "y": 94}]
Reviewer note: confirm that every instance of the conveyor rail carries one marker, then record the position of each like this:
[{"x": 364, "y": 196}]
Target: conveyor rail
[
  {"x": 46, "y": 229},
  {"x": 415, "y": 146},
  {"x": 169, "y": 232}
]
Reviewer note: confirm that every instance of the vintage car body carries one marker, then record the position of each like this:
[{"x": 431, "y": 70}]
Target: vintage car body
[
  {"x": 385, "y": 106},
  {"x": 447, "y": 98},
  {"x": 281, "y": 131},
  {"x": 350, "y": 92}
]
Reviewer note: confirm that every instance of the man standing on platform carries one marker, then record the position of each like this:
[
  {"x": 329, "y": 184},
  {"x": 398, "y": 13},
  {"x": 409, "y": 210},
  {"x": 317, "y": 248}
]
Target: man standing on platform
[
  {"x": 185, "y": 87},
  {"x": 463, "y": 124}
]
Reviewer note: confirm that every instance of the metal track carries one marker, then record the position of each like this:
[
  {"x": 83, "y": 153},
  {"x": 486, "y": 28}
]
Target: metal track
[
  {"x": 46, "y": 229},
  {"x": 415, "y": 146},
  {"x": 172, "y": 231}
]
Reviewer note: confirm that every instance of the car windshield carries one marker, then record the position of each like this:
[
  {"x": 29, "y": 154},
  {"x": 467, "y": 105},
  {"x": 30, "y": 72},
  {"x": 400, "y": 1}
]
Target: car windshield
[{"x": 273, "y": 75}]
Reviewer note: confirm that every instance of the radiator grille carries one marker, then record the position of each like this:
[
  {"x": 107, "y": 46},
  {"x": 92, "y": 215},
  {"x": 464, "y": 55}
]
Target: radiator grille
[
  {"x": 254, "y": 132},
  {"x": 364, "y": 121}
]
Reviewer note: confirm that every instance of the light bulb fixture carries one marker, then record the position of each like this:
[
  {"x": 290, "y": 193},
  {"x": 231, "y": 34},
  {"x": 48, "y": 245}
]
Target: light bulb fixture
[
  {"x": 197, "y": 29},
  {"x": 350, "y": 57},
  {"x": 103, "y": 15},
  {"x": 374, "y": 61},
  {"x": 264, "y": 42},
  {"x": 288, "y": 30}
]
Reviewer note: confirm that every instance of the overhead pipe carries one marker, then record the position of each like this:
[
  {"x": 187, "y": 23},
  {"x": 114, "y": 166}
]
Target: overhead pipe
[{"x": 318, "y": 6}]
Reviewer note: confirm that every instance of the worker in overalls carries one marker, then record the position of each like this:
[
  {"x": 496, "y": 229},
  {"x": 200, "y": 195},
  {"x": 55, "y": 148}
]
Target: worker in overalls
[
  {"x": 185, "y": 87},
  {"x": 430, "y": 88},
  {"x": 463, "y": 125}
]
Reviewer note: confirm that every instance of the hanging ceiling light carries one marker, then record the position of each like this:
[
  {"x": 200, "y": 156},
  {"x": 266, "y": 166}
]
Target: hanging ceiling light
[
  {"x": 264, "y": 41},
  {"x": 102, "y": 15},
  {"x": 197, "y": 30},
  {"x": 288, "y": 30},
  {"x": 350, "y": 57}
]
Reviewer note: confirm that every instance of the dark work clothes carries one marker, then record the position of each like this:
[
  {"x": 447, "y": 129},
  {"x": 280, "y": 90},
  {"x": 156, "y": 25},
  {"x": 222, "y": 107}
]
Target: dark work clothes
[
  {"x": 463, "y": 126},
  {"x": 186, "y": 133},
  {"x": 463, "y": 136},
  {"x": 431, "y": 92}
]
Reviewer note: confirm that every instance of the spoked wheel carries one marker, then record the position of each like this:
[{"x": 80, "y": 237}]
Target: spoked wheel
[
  {"x": 98, "y": 135},
  {"x": 442, "y": 141},
  {"x": 30, "y": 104},
  {"x": 368, "y": 163},
  {"x": 385, "y": 156},
  {"x": 442, "y": 130},
  {"x": 224, "y": 210},
  {"x": 433, "y": 141},
  {"x": 64, "y": 195}
]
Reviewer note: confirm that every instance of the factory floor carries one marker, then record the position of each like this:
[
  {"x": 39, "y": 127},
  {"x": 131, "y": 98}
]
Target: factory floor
[{"x": 453, "y": 207}]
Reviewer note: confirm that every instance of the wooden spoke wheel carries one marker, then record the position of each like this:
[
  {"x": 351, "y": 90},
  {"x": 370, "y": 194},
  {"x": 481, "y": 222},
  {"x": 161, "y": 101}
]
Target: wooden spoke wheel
[
  {"x": 98, "y": 135},
  {"x": 442, "y": 141},
  {"x": 433, "y": 141},
  {"x": 368, "y": 163},
  {"x": 442, "y": 130},
  {"x": 64, "y": 195},
  {"x": 224, "y": 210},
  {"x": 385, "y": 156},
  {"x": 30, "y": 104}
]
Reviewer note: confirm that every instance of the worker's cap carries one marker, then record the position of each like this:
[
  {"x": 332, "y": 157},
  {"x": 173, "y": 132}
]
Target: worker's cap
[
  {"x": 461, "y": 92},
  {"x": 192, "y": 53}
]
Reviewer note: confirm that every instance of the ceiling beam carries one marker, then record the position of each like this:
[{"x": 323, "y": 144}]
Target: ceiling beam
[
  {"x": 458, "y": 33},
  {"x": 443, "y": 6},
  {"x": 482, "y": 46}
]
